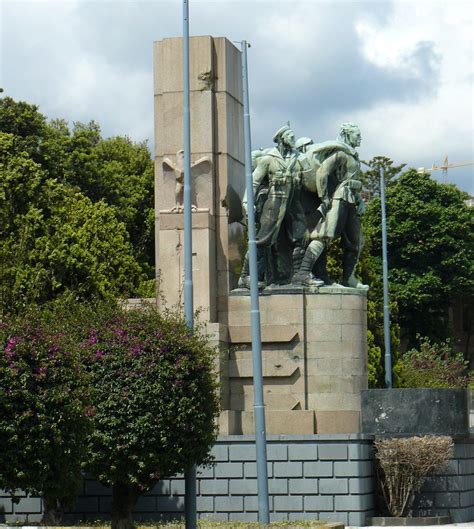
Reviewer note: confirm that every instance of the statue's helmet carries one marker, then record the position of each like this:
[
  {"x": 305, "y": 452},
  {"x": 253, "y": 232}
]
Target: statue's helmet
[
  {"x": 279, "y": 133},
  {"x": 302, "y": 143}
]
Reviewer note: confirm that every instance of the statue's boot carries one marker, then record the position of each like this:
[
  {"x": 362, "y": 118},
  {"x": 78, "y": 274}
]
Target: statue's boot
[
  {"x": 304, "y": 275},
  {"x": 320, "y": 269},
  {"x": 244, "y": 279},
  {"x": 297, "y": 258},
  {"x": 348, "y": 266}
]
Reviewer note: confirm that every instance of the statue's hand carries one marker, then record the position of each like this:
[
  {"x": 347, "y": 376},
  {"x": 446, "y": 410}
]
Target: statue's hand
[
  {"x": 355, "y": 185},
  {"x": 323, "y": 208},
  {"x": 361, "y": 208}
]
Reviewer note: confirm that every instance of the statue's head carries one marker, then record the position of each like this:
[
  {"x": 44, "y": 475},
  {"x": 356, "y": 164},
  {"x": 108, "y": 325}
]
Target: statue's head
[
  {"x": 285, "y": 135},
  {"x": 350, "y": 134},
  {"x": 303, "y": 143}
]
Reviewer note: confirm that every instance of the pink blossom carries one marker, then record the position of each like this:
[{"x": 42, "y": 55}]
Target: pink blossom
[
  {"x": 136, "y": 350},
  {"x": 10, "y": 347},
  {"x": 40, "y": 371},
  {"x": 93, "y": 337}
]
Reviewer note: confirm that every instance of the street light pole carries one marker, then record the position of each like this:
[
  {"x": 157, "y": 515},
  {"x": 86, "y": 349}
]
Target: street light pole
[
  {"x": 258, "y": 406},
  {"x": 386, "y": 307},
  {"x": 190, "y": 475}
]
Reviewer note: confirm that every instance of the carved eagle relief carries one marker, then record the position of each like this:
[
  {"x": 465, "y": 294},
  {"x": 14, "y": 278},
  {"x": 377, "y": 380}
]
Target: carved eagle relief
[{"x": 201, "y": 176}]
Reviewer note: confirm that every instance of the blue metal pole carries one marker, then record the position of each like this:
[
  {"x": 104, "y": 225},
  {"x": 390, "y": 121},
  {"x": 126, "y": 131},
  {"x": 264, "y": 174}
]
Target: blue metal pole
[
  {"x": 386, "y": 308},
  {"x": 258, "y": 406},
  {"x": 190, "y": 475}
]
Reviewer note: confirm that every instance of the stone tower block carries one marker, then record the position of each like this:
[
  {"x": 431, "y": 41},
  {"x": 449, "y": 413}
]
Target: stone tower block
[{"x": 217, "y": 173}]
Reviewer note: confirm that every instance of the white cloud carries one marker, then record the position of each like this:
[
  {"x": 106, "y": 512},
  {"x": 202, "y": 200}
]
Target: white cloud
[
  {"x": 402, "y": 70},
  {"x": 439, "y": 124}
]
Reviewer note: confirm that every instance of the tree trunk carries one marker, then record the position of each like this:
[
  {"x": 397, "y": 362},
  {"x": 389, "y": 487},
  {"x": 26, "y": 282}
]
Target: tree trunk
[
  {"x": 53, "y": 511},
  {"x": 124, "y": 498}
]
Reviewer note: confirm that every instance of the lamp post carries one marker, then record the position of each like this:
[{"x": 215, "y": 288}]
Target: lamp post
[
  {"x": 190, "y": 475},
  {"x": 258, "y": 406},
  {"x": 386, "y": 307}
]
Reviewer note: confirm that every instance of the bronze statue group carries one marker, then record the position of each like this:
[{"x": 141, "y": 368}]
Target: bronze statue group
[{"x": 306, "y": 195}]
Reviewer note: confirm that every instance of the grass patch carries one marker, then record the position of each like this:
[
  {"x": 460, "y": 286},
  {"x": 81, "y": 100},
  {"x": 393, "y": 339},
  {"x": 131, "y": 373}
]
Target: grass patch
[{"x": 202, "y": 524}]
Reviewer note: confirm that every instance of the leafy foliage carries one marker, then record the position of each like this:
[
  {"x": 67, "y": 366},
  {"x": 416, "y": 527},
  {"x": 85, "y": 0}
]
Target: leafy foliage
[
  {"x": 371, "y": 272},
  {"x": 75, "y": 210},
  {"x": 155, "y": 399},
  {"x": 430, "y": 249},
  {"x": 44, "y": 406},
  {"x": 120, "y": 173},
  {"x": 434, "y": 366},
  {"x": 371, "y": 177},
  {"x": 129, "y": 395},
  {"x": 54, "y": 240}
]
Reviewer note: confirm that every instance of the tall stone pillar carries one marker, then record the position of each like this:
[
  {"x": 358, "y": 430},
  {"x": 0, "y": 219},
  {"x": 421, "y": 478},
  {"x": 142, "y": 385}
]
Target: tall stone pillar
[{"x": 217, "y": 169}]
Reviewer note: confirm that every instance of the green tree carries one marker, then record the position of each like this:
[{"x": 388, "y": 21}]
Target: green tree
[
  {"x": 119, "y": 172},
  {"x": 54, "y": 240},
  {"x": 115, "y": 171},
  {"x": 370, "y": 270},
  {"x": 371, "y": 177},
  {"x": 54, "y": 185},
  {"x": 44, "y": 408},
  {"x": 155, "y": 402},
  {"x": 371, "y": 273},
  {"x": 434, "y": 366},
  {"x": 430, "y": 252}
]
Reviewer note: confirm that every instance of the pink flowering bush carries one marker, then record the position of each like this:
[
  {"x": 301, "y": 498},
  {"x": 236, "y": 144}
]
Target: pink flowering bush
[
  {"x": 45, "y": 412},
  {"x": 155, "y": 401}
]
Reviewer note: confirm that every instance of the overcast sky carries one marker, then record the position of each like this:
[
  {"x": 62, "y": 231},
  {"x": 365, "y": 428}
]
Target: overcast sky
[{"x": 403, "y": 71}]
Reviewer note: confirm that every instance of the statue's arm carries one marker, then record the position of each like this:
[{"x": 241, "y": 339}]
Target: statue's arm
[
  {"x": 259, "y": 174},
  {"x": 328, "y": 168},
  {"x": 257, "y": 178}
]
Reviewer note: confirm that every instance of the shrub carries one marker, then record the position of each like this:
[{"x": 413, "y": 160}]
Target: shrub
[
  {"x": 44, "y": 409},
  {"x": 155, "y": 402},
  {"x": 434, "y": 366},
  {"x": 403, "y": 464}
]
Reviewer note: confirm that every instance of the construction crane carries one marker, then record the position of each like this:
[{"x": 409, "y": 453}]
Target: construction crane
[{"x": 444, "y": 167}]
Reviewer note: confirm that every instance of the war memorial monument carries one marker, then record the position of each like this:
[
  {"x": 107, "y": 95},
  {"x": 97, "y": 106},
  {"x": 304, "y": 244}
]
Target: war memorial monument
[
  {"x": 320, "y": 424},
  {"x": 313, "y": 328}
]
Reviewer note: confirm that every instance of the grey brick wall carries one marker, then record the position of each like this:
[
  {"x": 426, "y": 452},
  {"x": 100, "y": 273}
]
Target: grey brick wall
[
  {"x": 309, "y": 476},
  {"x": 328, "y": 477},
  {"x": 451, "y": 492}
]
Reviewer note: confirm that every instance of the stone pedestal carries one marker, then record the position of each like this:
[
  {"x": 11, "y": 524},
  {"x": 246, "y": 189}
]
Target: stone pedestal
[{"x": 314, "y": 348}]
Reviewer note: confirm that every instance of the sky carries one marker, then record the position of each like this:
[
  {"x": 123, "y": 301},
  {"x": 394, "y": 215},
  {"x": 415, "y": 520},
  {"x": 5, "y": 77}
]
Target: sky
[{"x": 402, "y": 70}]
